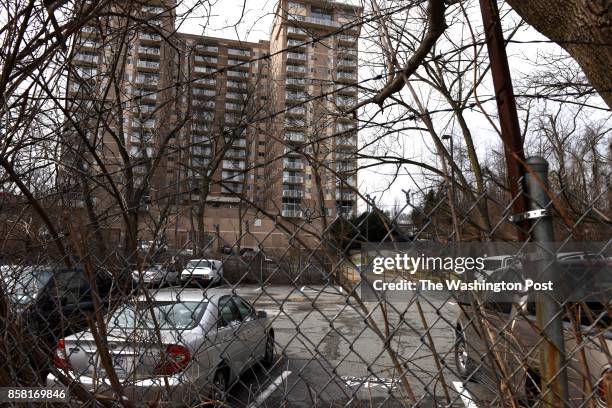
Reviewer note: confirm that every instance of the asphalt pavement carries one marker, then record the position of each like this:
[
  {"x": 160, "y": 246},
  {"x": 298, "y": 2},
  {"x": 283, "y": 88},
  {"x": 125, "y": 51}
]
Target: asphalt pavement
[{"x": 327, "y": 355}]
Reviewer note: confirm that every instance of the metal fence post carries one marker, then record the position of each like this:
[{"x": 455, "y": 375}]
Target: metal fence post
[{"x": 549, "y": 312}]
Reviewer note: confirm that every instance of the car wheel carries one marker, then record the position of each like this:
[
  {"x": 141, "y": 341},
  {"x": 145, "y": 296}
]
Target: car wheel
[
  {"x": 463, "y": 361},
  {"x": 268, "y": 358},
  {"x": 219, "y": 387}
]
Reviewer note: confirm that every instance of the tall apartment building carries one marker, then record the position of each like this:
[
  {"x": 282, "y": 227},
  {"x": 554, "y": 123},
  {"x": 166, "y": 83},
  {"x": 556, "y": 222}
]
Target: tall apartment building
[{"x": 229, "y": 120}]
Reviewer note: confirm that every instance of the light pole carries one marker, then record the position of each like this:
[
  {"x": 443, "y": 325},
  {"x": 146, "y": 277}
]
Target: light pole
[{"x": 452, "y": 186}]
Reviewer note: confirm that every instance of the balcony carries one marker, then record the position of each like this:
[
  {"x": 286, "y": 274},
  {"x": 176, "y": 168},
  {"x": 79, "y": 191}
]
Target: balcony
[
  {"x": 208, "y": 105},
  {"x": 205, "y": 59},
  {"x": 293, "y": 193},
  {"x": 204, "y": 69},
  {"x": 149, "y": 50},
  {"x": 296, "y": 56},
  {"x": 235, "y": 153},
  {"x": 198, "y": 128},
  {"x": 141, "y": 93},
  {"x": 234, "y": 164},
  {"x": 140, "y": 152},
  {"x": 346, "y": 51},
  {"x": 236, "y": 96},
  {"x": 295, "y": 43},
  {"x": 91, "y": 44},
  {"x": 236, "y": 84},
  {"x": 344, "y": 89},
  {"x": 235, "y": 189},
  {"x": 347, "y": 63},
  {"x": 345, "y": 101},
  {"x": 347, "y": 38},
  {"x": 318, "y": 20},
  {"x": 149, "y": 37},
  {"x": 234, "y": 106},
  {"x": 296, "y": 68},
  {"x": 200, "y": 151},
  {"x": 345, "y": 127},
  {"x": 147, "y": 64},
  {"x": 294, "y": 123},
  {"x": 141, "y": 138},
  {"x": 296, "y": 110},
  {"x": 296, "y": 82},
  {"x": 295, "y": 136},
  {"x": 201, "y": 140},
  {"x": 293, "y": 179},
  {"x": 147, "y": 79},
  {"x": 205, "y": 81},
  {"x": 292, "y": 213},
  {"x": 293, "y": 165},
  {"x": 86, "y": 58},
  {"x": 238, "y": 74},
  {"x": 207, "y": 48},
  {"x": 238, "y": 52},
  {"x": 238, "y": 64},
  {"x": 146, "y": 124},
  {"x": 200, "y": 162},
  {"x": 204, "y": 92},
  {"x": 346, "y": 141},
  {"x": 239, "y": 143},
  {"x": 296, "y": 32},
  {"x": 232, "y": 177},
  {"x": 295, "y": 96},
  {"x": 346, "y": 75},
  {"x": 346, "y": 195},
  {"x": 345, "y": 167}
]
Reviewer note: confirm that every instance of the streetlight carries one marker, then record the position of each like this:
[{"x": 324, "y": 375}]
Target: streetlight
[{"x": 452, "y": 184}]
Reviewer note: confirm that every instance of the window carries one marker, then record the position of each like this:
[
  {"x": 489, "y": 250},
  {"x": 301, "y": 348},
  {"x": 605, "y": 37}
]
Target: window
[
  {"x": 228, "y": 312},
  {"x": 246, "y": 312}
]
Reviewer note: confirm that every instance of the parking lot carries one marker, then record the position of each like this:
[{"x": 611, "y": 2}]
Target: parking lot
[{"x": 327, "y": 355}]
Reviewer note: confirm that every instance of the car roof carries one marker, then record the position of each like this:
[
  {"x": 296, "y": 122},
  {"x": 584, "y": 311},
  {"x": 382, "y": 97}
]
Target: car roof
[
  {"x": 187, "y": 295},
  {"x": 498, "y": 257}
]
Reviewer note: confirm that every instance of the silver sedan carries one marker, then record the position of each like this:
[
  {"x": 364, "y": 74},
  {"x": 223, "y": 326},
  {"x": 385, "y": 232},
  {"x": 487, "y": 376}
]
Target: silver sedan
[{"x": 181, "y": 348}]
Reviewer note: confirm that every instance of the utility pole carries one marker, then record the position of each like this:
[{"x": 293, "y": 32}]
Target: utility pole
[
  {"x": 506, "y": 107},
  {"x": 552, "y": 353}
]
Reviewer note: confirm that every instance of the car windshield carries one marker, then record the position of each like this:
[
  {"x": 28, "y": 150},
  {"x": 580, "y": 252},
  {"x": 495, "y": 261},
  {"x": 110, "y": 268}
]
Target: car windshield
[
  {"x": 22, "y": 285},
  {"x": 169, "y": 315},
  {"x": 492, "y": 264},
  {"x": 199, "y": 263}
]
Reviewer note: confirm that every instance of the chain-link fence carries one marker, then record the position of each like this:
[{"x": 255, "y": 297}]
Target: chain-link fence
[{"x": 342, "y": 322}]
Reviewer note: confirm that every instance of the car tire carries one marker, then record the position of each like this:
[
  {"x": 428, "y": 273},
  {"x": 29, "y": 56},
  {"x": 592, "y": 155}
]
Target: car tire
[
  {"x": 268, "y": 358},
  {"x": 218, "y": 392},
  {"x": 464, "y": 363}
]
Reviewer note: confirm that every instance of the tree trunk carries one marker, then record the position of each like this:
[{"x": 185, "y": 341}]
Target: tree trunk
[{"x": 582, "y": 28}]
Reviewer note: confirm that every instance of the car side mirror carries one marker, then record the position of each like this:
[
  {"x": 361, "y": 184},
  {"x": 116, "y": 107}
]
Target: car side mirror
[{"x": 261, "y": 314}]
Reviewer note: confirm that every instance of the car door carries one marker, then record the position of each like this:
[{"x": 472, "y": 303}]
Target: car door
[
  {"x": 228, "y": 341},
  {"x": 251, "y": 332}
]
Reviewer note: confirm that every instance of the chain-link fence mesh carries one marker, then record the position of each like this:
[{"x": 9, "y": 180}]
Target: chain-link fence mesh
[{"x": 294, "y": 327}]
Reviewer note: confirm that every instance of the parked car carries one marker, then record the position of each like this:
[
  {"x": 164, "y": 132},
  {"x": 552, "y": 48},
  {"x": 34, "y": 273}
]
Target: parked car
[
  {"x": 493, "y": 263},
  {"x": 248, "y": 254},
  {"x": 208, "y": 271},
  {"x": 205, "y": 342},
  {"x": 518, "y": 338},
  {"x": 156, "y": 275},
  {"x": 22, "y": 283}
]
